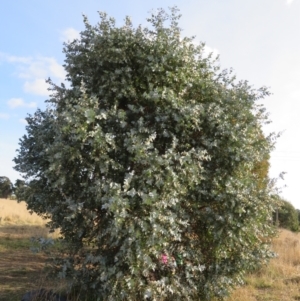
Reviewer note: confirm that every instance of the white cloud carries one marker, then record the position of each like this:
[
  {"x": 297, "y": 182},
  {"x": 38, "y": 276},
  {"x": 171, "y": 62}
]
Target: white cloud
[
  {"x": 69, "y": 34},
  {"x": 208, "y": 50},
  {"x": 16, "y": 59},
  {"x": 13, "y": 59},
  {"x": 4, "y": 116},
  {"x": 37, "y": 86},
  {"x": 19, "y": 102},
  {"x": 34, "y": 70},
  {"x": 56, "y": 69},
  {"x": 41, "y": 67},
  {"x": 23, "y": 121}
]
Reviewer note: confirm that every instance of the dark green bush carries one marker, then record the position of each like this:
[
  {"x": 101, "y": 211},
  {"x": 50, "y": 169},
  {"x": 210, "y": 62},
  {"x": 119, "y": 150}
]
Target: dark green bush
[
  {"x": 6, "y": 187},
  {"x": 287, "y": 216}
]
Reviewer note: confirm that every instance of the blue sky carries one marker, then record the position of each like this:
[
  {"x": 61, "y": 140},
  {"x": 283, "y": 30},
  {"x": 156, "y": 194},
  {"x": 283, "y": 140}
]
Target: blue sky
[{"x": 260, "y": 40}]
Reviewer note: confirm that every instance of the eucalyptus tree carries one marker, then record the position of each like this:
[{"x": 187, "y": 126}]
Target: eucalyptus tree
[{"x": 146, "y": 163}]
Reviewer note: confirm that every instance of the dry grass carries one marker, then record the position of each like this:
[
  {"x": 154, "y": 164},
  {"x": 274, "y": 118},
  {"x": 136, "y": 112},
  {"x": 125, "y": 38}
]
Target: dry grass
[
  {"x": 21, "y": 270},
  {"x": 14, "y": 213},
  {"x": 279, "y": 281},
  {"x": 16, "y": 222}
]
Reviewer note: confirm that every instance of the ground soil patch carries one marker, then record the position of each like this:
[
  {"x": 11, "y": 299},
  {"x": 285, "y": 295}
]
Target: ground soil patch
[{"x": 21, "y": 270}]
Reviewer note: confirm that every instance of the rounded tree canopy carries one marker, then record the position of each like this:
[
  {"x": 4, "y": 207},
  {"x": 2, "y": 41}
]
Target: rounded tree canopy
[
  {"x": 287, "y": 215},
  {"x": 146, "y": 163},
  {"x": 6, "y": 187}
]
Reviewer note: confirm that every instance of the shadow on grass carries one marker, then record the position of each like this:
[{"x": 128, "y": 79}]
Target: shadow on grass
[
  {"x": 21, "y": 270},
  {"x": 23, "y": 231}
]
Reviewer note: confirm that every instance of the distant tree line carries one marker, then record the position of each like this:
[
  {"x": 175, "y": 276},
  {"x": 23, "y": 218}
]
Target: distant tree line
[{"x": 8, "y": 189}]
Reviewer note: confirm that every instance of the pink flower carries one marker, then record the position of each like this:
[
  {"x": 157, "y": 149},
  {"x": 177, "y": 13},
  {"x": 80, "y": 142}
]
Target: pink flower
[{"x": 164, "y": 259}]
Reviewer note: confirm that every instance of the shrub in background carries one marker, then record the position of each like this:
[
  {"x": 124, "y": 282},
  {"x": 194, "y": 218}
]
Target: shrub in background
[
  {"x": 147, "y": 165},
  {"x": 6, "y": 187},
  {"x": 19, "y": 189},
  {"x": 287, "y": 216}
]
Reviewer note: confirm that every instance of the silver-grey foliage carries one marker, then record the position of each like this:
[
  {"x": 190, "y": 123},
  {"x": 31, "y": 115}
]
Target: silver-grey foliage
[{"x": 146, "y": 165}]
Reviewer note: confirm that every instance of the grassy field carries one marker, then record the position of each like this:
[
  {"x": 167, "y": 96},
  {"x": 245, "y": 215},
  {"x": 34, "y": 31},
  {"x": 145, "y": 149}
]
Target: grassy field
[
  {"x": 21, "y": 270},
  {"x": 279, "y": 281},
  {"x": 14, "y": 213}
]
